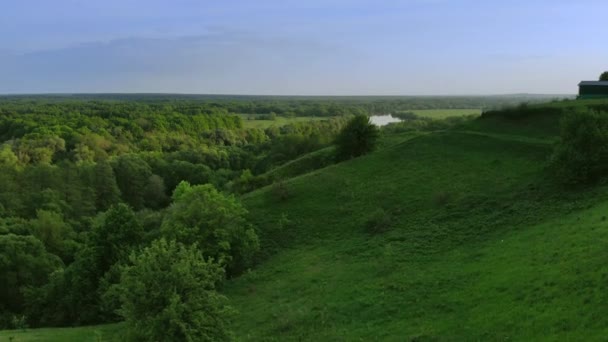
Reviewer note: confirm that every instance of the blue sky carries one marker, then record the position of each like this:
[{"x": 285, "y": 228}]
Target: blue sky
[{"x": 315, "y": 47}]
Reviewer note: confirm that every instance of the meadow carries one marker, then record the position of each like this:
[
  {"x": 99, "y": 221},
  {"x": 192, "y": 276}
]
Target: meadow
[
  {"x": 445, "y": 113},
  {"x": 99, "y": 333},
  {"x": 250, "y": 122}
]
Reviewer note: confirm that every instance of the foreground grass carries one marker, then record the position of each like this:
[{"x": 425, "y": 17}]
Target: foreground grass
[{"x": 109, "y": 332}]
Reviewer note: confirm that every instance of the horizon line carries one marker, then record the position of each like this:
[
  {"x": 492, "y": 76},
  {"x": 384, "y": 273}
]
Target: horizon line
[{"x": 285, "y": 95}]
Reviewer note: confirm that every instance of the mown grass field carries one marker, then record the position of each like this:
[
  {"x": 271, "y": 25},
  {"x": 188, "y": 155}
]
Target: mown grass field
[
  {"x": 279, "y": 121},
  {"x": 476, "y": 244},
  {"x": 108, "y": 332},
  {"x": 445, "y": 113}
]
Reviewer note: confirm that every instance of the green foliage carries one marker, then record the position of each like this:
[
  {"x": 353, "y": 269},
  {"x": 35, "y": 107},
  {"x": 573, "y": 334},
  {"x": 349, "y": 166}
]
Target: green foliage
[
  {"x": 132, "y": 176},
  {"x": 155, "y": 194},
  {"x": 57, "y": 236},
  {"x": 106, "y": 188},
  {"x": 75, "y": 296},
  {"x": 169, "y": 293},
  {"x": 604, "y": 76},
  {"x": 581, "y": 155},
  {"x": 24, "y": 263},
  {"x": 113, "y": 235},
  {"x": 8, "y": 159},
  {"x": 357, "y": 138},
  {"x": 215, "y": 222}
]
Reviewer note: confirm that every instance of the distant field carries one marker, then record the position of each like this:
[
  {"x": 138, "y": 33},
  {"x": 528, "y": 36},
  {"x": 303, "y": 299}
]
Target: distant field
[
  {"x": 444, "y": 113},
  {"x": 280, "y": 121},
  {"x": 249, "y": 122},
  {"x": 108, "y": 332}
]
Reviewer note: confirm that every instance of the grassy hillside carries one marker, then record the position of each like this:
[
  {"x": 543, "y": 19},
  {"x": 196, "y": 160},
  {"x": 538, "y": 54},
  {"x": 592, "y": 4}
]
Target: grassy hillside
[{"x": 478, "y": 247}]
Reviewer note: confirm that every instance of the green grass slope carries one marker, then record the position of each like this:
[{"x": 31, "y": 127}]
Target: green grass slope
[
  {"x": 109, "y": 332},
  {"x": 479, "y": 248}
]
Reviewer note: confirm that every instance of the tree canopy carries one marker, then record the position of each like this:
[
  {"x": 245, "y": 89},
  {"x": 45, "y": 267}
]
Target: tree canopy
[
  {"x": 357, "y": 138},
  {"x": 168, "y": 293},
  {"x": 215, "y": 222}
]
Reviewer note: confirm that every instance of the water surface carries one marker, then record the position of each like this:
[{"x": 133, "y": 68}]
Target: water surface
[{"x": 383, "y": 120}]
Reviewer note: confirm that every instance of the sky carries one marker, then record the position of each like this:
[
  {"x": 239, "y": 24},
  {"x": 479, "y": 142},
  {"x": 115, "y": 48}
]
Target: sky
[{"x": 313, "y": 47}]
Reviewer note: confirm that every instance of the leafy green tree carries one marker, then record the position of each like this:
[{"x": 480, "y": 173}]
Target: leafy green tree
[
  {"x": 24, "y": 263},
  {"x": 57, "y": 235},
  {"x": 76, "y": 190},
  {"x": 82, "y": 153},
  {"x": 581, "y": 155},
  {"x": 216, "y": 222},
  {"x": 114, "y": 234},
  {"x": 155, "y": 196},
  {"x": 357, "y": 138},
  {"x": 132, "y": 174},
  {"x": 104, "y": 184},
  {"x": 604, "y": 76},
  {"x": 11, "y": 196},
  {"x": 8, "y": 158},
  {"x": 168, "y": 293},
  {"x": 76, "y": 295}
]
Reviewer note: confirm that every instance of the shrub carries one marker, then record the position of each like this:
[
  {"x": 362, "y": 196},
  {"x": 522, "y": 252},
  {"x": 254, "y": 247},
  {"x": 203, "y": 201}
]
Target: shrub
[
  {"x": 168, "y": 293},
  {"x": 280, "y": 191},
  {"x": 442, "y": 198},
  {"x": 357, "y": 138},
  {"x": 378, "y": 222},
  {"x": 581, "y": 155}
]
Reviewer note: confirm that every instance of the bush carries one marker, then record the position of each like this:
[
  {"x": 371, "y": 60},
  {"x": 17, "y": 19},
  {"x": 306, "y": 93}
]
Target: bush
[
  {"x": 280, "y": 191},
  {"x": 442, "y": 198},
  {"x": 379, "y": 222},
  {"x": 581, "y": 155},
  {"x": 357, "y": 138},
  {"x": 168, "y": 293}
]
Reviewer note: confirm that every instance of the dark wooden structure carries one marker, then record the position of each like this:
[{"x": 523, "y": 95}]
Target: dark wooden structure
[{"x": 592, "y": 89}]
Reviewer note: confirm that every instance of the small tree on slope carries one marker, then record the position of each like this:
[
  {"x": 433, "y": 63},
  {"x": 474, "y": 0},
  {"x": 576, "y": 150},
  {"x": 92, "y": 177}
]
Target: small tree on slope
[
  {"x": 169, "y": 294},
  {"x": 357, "y": 138}
]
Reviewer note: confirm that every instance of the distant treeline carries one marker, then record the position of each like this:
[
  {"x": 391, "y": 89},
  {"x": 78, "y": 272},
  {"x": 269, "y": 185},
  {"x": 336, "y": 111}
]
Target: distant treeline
[{"x": 292, "y": 105}]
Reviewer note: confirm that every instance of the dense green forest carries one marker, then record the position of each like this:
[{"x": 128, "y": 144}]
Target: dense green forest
[
  {"x": 67, "y": 164},
  {"x": 111, "y": 204}
]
